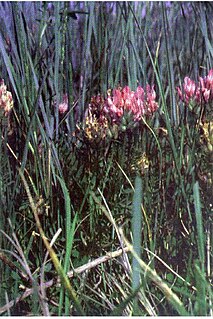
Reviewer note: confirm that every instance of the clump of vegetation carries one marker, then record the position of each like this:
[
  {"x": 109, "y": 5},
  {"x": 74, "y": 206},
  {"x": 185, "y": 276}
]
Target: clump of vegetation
[{"x": 106, "y": 158}]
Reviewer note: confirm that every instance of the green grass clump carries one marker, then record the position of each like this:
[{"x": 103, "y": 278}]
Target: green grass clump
[{"x": 101, "y": 214}]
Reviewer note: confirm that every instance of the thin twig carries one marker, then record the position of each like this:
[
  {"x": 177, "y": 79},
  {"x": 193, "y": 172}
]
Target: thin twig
[
  {"x": 97, "y": 261},
  {"x": 70, "y": 274}
]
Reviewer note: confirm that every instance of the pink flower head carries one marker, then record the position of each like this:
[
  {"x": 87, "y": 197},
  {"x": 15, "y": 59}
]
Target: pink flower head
[
  {"x": 112, "y": 108},
  {"x": 206, "y": 95},
  {"x": 151, "y": 96},
  {"x": 203, "y": 91},
  {"x": 209, "y": 80},
  {"x": 189, "y": 90},
  {"x": 119, "y": 103},
  {"x": 114, "y": 104},
  {"x": 205, "y": 88},
  {"x": 180, "y": 93},
  {"x": 128, "y": 97},
  {"x": 189, "y": 87},
  {"x": 198, "y": 94},
  {"x": 139, "y": 93},
  {"x": 117, "y": 98},
  {"x": 202, "y": 83},
  {"x": 137, "y": 103},
  {"x": 63, "y": 107}
]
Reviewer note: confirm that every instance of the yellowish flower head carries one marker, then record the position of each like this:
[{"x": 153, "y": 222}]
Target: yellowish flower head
[{"x": 6, "y": 99}]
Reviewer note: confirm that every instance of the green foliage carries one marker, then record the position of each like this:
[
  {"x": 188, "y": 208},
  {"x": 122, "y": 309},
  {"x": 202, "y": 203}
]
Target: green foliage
[{"x": 152, "y": 180}]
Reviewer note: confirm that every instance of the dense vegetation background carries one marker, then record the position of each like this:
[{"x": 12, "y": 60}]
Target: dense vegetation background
[{"x": 131, "y": 206}]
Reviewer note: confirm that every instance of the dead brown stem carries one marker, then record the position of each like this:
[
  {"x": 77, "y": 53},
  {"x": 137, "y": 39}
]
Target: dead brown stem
[{"x": 48, "y": 284}]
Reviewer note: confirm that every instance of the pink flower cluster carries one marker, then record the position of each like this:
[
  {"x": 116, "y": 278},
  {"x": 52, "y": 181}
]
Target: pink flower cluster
[
  {"x": 6, "y": 99},
  {"x": 198, "y": 92},
  {"x": 104, "y": 117},
  {"x": 139, "y": 103},
  {"x": 63, "y": 106}
]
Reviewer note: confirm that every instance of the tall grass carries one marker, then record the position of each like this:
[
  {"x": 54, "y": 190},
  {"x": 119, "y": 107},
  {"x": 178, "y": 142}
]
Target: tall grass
[{"x": 58, "y": 188}]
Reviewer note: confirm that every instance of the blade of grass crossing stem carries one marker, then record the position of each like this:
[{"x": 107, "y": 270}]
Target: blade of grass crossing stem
[
  {"x": 100, "y": 44},
  {"x": 157, "y": 280},
  {"x": 170, "y": 63},
  {"x": 54, "y": 258},
  {"x": 86, "y": 71},
  {"x": 200, "y": 308},
  {"x": 105, "y": 41},
  {"x": 204, "y": 29},
  {"x": 63, "y": 33},
  {"x": 96, "y": 21},
  {"x": 29, "y": 132},
  {"x": 41, "y": 103},
  {"x": 70, "y": 239},
  {"x": 181, "y": 158},
  {"x": 201, "y": 285},
  {"x": 118, "y": 311},
  {"x": 199, "y": 221},
  {"x": 68, "y": 222},
  {"x": 146, "y": 31},
  {"x": 114, "y": 82},
  {"x": 132, "y": 65},
  {"x": 139, "y": 62},
  {"x": 70, "y": 229},
  {"x": 115, "y": 33},
  {"x": 48, "y": 127},
  {"x": 125, "y": 25},
  {"x": 116, "y": 58},
  {"x": 21, "y": 39},
  {"x": 69, "y": 76},
  {"x": 57, "y": 61},
  {"x": 136, "y": 232},
  {"x": 43, "y": 25},
  {"x": 46, "y": 160}
]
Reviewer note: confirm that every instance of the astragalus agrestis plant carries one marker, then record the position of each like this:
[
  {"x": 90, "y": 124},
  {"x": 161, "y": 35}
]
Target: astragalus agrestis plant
[{"x": 121, "y": 178}]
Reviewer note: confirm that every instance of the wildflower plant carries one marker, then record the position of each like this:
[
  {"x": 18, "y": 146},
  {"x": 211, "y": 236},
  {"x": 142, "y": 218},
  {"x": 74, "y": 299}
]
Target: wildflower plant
[
  {"x": 79, "y": 185},
  {"x": 198, "y": 97},
  {"x": 122, "y": 110},
  {"x": 197, "y": 93},
  {"x": 136, "y": 104}
]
